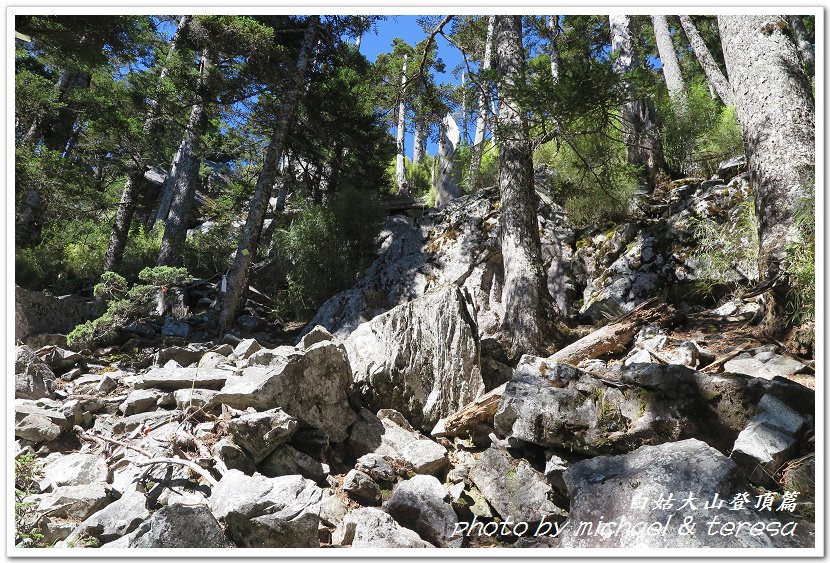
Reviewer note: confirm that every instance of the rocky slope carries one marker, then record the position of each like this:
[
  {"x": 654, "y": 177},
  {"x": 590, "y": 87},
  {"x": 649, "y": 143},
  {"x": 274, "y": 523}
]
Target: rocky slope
[{"x": 339, "y": 439}]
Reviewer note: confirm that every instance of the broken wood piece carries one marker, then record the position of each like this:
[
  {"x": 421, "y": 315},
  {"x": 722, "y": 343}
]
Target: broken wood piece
[
  {"x": 725, "y": 358},
  {"x": 178, "y": 461}
]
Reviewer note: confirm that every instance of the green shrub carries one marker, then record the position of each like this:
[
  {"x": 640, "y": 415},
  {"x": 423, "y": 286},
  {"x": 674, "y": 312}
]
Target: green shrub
[
  {"x": 126, "y": 306},
  {"x": 696, "y": 140},
  {"x": 27, "y": 472},
  {"x": 209, "y": 252},
  {"x": 592, "y": 195},
  {"x": 112, "y": 285},
  {"x": 725, "y": 247},
  {"x": 327, "y": 246}
]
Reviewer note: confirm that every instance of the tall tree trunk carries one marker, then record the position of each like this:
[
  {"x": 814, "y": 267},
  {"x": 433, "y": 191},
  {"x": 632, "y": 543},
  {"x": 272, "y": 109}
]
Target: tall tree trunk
[
  {"x": 251, "y": 231},
  {"x": 187, "y": 172},
  {"x": 420, "y": 135},
  {"x": 446, "y": 186},
  {"x": 802, "y": 41},
  {"x": 481, "y": 119},
  {"x": 553, "y": 48},
  {"x": 464, "y": 131},
  {"x": 641, "y": 134},
  {"x": 776, "y": 110},
  {"x": 524, "y": 295},
  {"x": 123, "y": 219},
  {"x": 126, "y": 206},
  {"x": 707, "y": 62},
  {"x": 671, "y": 66},
  {"x": 400, "y": 168}
]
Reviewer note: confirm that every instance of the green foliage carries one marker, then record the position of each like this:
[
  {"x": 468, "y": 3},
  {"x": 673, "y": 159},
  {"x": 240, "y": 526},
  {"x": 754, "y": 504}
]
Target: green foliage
[
  {"x": 592, "y": 180},
  {"x": 27, "y": 471},
  {"x": 165, "y": 276},
  {"x": 419, "y": 175},
  {"x": 697, "y": 139},
  {"x": 327, "y": 246},
  {"x": 724, "y": 248},
  {"x": 112, "y": 285},
  {"x": 800, "y": 265},
  {"x": 127, "y": 306}
]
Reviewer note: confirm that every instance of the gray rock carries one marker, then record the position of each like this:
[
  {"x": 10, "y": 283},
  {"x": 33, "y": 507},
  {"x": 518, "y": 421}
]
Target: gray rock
[
  {"x": 246, "y": 348},
  {"x": 419, "y": 358},
  {"x": 182, "y": 378},
  {"x": 58, "y": 359},
  {"x": 234, "y": 457},
  {"x": 332, "y": 509},
  {"x": 138, "y": 401},
  {"x": 768, "y": 442},
  {"x": 421, "y": 504},
  {"x": 731, "y": 167},
  {"x": 361, "y": 487},
  {"x": 376, "y": 467},
  {"x": 179, "y": 526},
  {"x": 381, "y": 436},
  {"x": 286, "y": 460},
  {"x": 604, "y": 489},
  {"x": 74, "y": 501},
  {"x": 259, "y": 434},
  {"x": 174, "y": 327},
  {"x": 250, "y": 323},
  {"x": 195, "y": 398},
  {"x": 263, "y": 512},
  {"x": 513, "y": 488},
  {"x": 182, "y": 356},
  {"x": 212, "y": 360},
  {"x": 106, "y": 384},
  {"x": 371, "y": 527},
  {"x": 456, "y": 244},
  {"x": 555, "y": 469},
  {"x": 223, "y": 350},
  {"x": 115, "y": 520},
  {"x": 33, "y": 379},
  {"x": 426, "y": 457},
  {"x": 76, "y": 469},
  {"x": 36, "y": 428},
  {"x": 310, "y": 385},
  {"x": 315, "y": 335},
  {"x": 36, "y": 312}
]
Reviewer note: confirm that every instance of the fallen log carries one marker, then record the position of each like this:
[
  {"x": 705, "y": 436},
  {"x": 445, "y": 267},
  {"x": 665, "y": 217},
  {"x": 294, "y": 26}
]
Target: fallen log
[{"x": 613, "y": 338}]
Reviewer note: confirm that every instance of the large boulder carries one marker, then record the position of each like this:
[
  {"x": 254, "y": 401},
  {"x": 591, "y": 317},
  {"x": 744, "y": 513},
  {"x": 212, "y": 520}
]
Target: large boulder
[
  {"x": 644, "y": 499},
  {"x": 36, "y": 312},
  {"x": 371, "y": 527},
  {"x": 457, "y": 244},
  {"x": 114, "y": 520},
  {"x": 421, "y": 504},
  {"x": 33, "y": 379},
  {"x": 513, "y": 488},
  {"x": 558, "y": 406},
  {"x": 262, "y": 512},
  {"x": 310, "y": 385},
  {"x": 170, "y": 379},
  {"x": 420, "y": 358},
  {"x": 177, "y": 526}
]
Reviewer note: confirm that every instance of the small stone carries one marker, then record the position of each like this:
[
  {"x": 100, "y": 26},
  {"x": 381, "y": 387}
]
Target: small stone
[{"x": 361, "y": 488}]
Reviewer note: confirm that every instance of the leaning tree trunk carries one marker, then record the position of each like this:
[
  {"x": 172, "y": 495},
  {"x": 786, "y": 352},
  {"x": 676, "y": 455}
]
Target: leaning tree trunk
[
  {"x": 553, "y": 48},
  {"x": 802, "y": 41},
  {"x": 707, "y": 62},
  {"x": 420, "y": 141},
  {"x": 671, "y": 66},
  {"x": 127, "y": 204},
  {"x": 251, "y": 231},
  {"x": 641, "y": 134},
  {"x": 446, "y": 184},
  {"x": 187, "y": 171},
  {"x": 524, "y": 295},
  {"x": 481, "y": 120},
  {"x": 400, "y": 169},
  {"x": 776, "y": 110}
]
